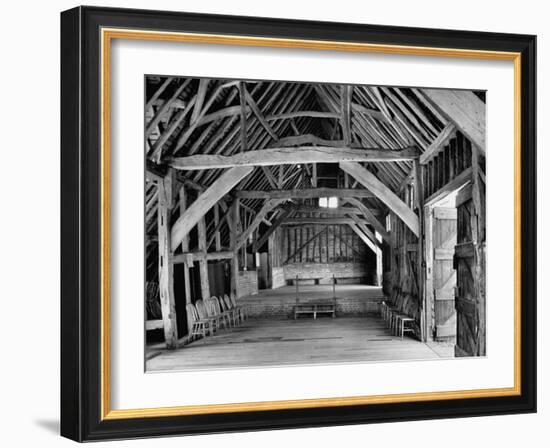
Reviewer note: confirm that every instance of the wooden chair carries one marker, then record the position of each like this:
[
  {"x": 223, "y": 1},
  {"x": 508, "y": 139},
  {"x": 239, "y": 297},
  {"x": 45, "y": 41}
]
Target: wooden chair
[
  {"x": 235, "y": 313},
  {"x": 391, "y": 307},
  {"x": 227, "y": 307},
  {"x": 213, "y": 314},
  {"x": 203, "y": 312},
  {"x": 199, "y": 327},
  {"x": 224, "y": 316},
  {"x": 403, "y": 319},
  {"x": 243, "y": 308},
  {"x": 405, "y": 325},
  {"x": 395, "y": 311}
]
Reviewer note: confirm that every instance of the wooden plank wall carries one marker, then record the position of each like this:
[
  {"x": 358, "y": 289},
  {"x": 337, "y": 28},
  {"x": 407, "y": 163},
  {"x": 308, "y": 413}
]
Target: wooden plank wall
[
  {"x": 401, "y": 255},
  {"x": 452, "y": 160},
  {"x": 448, "y": 169},
  {"x": 325, "y": 250},
  {"x": 325, "y": 244}
]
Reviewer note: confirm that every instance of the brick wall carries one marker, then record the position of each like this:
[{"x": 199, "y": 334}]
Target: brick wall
[
  {"x": 353, "y": 272},
  {"x": 247, "y": 283},
  {"x": 280, "y": 308}
]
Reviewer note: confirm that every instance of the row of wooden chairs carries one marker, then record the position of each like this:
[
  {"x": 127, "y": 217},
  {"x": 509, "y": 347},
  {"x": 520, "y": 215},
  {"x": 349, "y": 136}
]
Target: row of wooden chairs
[
  {"x": 210, "y": 315},
  {"x": 399, "y": 313}
]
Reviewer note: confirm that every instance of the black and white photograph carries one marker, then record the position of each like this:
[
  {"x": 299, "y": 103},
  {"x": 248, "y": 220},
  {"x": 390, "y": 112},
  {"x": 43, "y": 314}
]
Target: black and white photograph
[{"x": 296, "y": 223}]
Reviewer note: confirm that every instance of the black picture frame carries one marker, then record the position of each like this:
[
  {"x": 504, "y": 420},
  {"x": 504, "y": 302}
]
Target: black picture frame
[{"x": 81, "y": 224}]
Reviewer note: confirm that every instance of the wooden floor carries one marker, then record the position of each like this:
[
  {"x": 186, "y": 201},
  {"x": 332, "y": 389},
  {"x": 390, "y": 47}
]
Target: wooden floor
[{"x": 265, "y": 342}]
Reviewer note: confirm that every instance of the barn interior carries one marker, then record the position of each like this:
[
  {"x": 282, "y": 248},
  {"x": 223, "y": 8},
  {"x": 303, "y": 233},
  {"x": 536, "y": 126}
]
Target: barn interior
[{"x": 292, "y": 223}]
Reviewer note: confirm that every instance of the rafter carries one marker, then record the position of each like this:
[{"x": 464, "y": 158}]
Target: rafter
[
  {"x": 345, "y": 93},
  {"x": 156, "y": 151},
  {"x": 158, "y": 92},
  {"x": 259, "y": 116},
  {"x": 164, "y": 108},
  {"x": 185, "y": 135},
  {"x": 201, "y": 93},
  {"x": 269, "y": 176},
  {"x": 437, "y": 145},
  {"x": 464, "y": 109}
]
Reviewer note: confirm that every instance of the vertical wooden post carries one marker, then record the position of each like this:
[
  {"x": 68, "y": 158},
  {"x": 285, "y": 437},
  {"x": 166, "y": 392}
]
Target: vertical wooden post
[
  {"x": 428, "y": 287},
  {"x": 216, "y": 222},
  {"x": 479, "y": 251},
  {"x": 203, "y": 263},
  {"x": 297, "y": 290},
  {"x": 243, "y": 116},
  {"x": 379, "y": 263},
  {"x": 166, "y": 268},
  {"x": 233, "y": 237},
  {"x": 272, "y": 258},
  {"x": 185, "y": 248},
  {"x": 421, "y": 265}
]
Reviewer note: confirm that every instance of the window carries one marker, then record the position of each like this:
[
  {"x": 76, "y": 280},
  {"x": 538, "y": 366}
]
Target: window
[{"x": 331, "y": 202}]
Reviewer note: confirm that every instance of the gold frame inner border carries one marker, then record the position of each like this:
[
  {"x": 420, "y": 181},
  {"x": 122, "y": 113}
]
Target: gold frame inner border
[{"x": 107, "y": 36}]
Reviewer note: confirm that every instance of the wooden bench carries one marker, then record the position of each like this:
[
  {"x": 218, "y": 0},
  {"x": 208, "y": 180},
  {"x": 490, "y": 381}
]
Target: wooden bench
[
  {"x": 315, "y": 280},
  {"x": 315, "y": 308}
]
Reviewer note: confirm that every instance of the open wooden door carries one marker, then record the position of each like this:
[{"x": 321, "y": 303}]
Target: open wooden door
[{"x": 444, "y": 275}]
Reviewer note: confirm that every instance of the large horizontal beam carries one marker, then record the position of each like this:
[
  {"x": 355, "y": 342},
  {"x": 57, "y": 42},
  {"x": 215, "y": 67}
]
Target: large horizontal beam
[
  {"x": 338, "y": 211},
  {"x": 388, "y": 197},
  {"x": 205, "y": 202},
  {"x": 290, "y": 156},
  {"x": 303, "y": 113},
  {"x": 306, "y": 139},
  {"x": 321, "y": 221},
  {"x": 195, "y": 256},
  {"x": 304, "y": 193}
]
